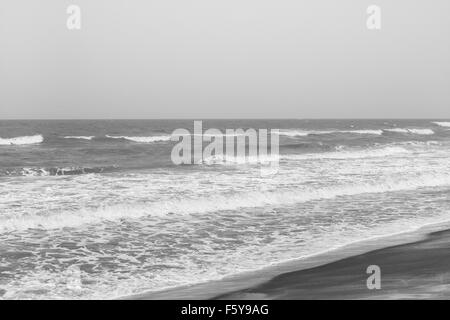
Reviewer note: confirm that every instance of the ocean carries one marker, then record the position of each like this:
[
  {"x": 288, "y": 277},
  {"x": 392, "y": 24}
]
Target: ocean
[{"x": 95, "y": 209}]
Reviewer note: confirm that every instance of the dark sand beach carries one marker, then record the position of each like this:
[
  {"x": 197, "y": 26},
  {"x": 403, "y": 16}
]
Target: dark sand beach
[
  {"x": 418, "y": 270},
  {"x": 413, "y": 265}
]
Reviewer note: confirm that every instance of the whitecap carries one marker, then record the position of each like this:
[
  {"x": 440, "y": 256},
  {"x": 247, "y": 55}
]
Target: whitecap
[
  {"x": 23, "y": 140},
  {"x": 149, "y": 139},
  {"x": 442, "y": 124},
  {"x": 80, "y": 137}
]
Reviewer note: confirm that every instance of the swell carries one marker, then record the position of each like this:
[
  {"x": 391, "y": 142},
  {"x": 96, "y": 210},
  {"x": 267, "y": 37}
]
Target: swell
[
  {"x": 214, "y": 203},
  {"x": 292, "y": 133}
]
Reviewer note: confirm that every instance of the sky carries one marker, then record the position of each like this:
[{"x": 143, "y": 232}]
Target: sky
[{"x": 198, "y": 59}]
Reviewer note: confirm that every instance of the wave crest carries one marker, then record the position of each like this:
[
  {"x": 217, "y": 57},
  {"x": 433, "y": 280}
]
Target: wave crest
[
  {"x": 425, "y": 132},
  {"x": 80, "y": 137},
  {"x": 23, "y": 140},
  {"x": 442, "y": 124},
  {"x": 378, "y": 132},
  {"x": 305, "y": 133},
  {"x": 149, "y": 139},
  {"x": 339, "y": 154}
]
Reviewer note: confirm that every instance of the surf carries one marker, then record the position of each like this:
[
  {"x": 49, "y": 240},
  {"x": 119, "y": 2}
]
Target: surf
[
  {"x": 22, "y": 140},
  {"x": 148, "y": 139},
  {"x": 442, "y": 124},
  {"x": 213, "y": 203},
  {"x": 54, "y": 171},
  {"x": 80, "y": 137}
]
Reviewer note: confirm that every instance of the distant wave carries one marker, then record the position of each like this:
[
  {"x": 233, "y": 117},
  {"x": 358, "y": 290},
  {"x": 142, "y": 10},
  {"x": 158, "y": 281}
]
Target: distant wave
[
  {"x": 338, "y": 155},
  {"x": 24, "y": 140},
  {"x": 349, "y": 154},
  {"x": 304, "y": 133},
  {"x": 442, "y": 124},
  {"x": 374, "y": 132},
  {"x": 55, "y": 171},
  {"x": 411, "y": 131},
  {"x": 80, "y": 137},
  {"x": 379, "y": 132},
  {"x": 233, "y": 160},
  {"x": 214, "y": 203},
  {"x": 142, "y": 139}
]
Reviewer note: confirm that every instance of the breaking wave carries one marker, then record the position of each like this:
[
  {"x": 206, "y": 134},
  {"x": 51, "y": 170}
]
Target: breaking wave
[
  {"x": 338, "y": 155},
  {"x": 442, "y": 124},
  {"x": 80, "y": 137},
  {"x": 411, "y": 131},
  {"x": 235, "y": 160},
  {"x": 305, "y": 133},
  {"x": 349, "y": 154},
  {"x": 142, "y": 139},
  {"x": 24, "y": 140},
  {"x": 56, "y": 171},
  {"x": 214, "y": 203}
]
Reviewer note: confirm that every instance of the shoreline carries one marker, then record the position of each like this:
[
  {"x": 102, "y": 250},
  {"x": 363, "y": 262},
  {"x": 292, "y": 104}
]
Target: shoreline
[
  {"x": 417, "y": 270},
  {"x": 240, "y": 285}
]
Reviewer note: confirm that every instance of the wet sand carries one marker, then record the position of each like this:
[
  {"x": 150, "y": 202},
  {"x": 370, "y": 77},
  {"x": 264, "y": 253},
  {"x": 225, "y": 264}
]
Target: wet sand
[
  {"x": 414, "y": 264},
  {"x": 418, "y": 270}
]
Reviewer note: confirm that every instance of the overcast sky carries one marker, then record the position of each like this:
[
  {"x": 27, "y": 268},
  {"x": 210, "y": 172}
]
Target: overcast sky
[{"x": 224, "y": 59}]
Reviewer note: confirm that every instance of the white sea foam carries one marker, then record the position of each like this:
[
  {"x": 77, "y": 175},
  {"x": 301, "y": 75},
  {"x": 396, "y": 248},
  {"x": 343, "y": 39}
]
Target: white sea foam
[
  {"x": 442, "y": 124},
  {"x": 149, "y": 139},
  {"x": 55, "y": 171},
  {"x": 304, "y": 133},
  {"x": 80, "y": 137},
  {"x": 213, "y": 203},
  {"x": 374, "y": 132},
  {"x": 349, "y": 154},
  {"x": 411, "y": 131},
  {"x": 340, "y": 154},
  {"x": 295, "y": 133},
  {"x": 235, "y": 160},
  {"x": 24, "y": 140}
]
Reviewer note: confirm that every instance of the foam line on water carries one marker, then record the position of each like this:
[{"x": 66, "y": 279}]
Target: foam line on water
[{"x": 214, "y": 203}]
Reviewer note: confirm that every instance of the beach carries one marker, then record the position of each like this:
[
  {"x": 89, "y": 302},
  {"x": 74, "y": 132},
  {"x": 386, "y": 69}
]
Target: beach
[
  {"x": 414, "y": 265},
  {"x": 98, "y": 209},
  {"x": 418, "y": 270}
]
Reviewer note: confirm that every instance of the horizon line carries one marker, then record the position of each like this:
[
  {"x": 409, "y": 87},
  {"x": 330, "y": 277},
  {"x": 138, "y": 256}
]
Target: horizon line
[{"x": 201, "y": 119}]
